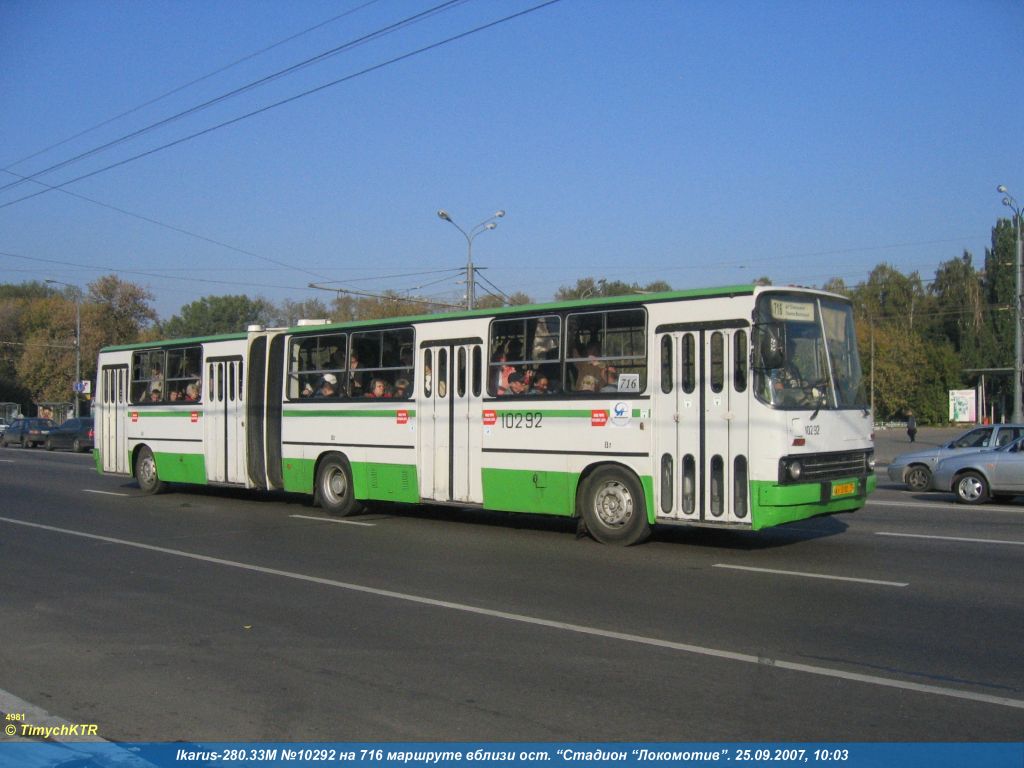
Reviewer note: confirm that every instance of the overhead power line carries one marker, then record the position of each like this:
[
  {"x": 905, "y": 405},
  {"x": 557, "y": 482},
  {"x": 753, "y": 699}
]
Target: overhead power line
[
  {"x": 244, "y": 88},
  {"x": 289, "y": 100},
  {"x": 189, "y": 84}
]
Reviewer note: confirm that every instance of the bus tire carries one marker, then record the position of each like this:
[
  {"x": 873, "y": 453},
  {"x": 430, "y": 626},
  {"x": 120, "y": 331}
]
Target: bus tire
[
  {"x": 334, "y": 492},
  {"x": 145, "y": 472},
  {"x": 613, "y": 507}
]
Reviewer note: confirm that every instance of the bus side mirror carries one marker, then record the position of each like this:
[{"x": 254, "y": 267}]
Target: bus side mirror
[{"x": 770, "y": 346}]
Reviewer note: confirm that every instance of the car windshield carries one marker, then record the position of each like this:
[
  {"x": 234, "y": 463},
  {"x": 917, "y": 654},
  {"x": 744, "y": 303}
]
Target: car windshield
[{"x": 806, "y": 353}]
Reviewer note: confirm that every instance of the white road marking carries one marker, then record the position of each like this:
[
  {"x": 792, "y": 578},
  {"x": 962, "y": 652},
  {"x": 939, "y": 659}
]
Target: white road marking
[
  {"x": 944, "y": 504},
  {"x": 951, "y": 538},
  {"x": 332, "y": 520},
  {"x": 104, "y": 493},
  {"x": 813, "y": 575},
  {"x": 580, "y": 629}
]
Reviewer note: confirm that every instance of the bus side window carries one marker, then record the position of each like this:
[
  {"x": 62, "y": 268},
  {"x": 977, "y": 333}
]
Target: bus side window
[
  {"x": 428, "y": 383},
  {"x": 739, "y": 369}
]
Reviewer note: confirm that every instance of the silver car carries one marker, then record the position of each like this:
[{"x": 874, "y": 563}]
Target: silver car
[
  {"x": 977, "y": 477},
  {"x": 915, "y": 469}
]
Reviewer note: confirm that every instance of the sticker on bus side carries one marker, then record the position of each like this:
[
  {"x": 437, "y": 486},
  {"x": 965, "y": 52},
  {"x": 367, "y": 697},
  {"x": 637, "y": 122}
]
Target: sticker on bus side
[{"x": 598, "y": 418}]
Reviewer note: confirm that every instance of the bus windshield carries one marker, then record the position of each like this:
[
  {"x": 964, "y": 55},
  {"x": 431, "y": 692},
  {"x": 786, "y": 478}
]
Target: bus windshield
[{"x": 805, "y": 353}]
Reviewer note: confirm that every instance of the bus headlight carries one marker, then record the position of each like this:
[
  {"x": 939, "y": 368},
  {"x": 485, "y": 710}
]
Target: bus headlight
[{"x": 795, "y": 468}]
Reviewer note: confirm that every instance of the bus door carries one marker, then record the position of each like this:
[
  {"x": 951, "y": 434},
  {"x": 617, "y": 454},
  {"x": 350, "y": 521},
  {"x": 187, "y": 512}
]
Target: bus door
[
  {"x": 450, "y": 438},
  {"x": 702, "y": 431},
  {"x": 114, "y": 444},
  {"x": 224, "y": 422}
]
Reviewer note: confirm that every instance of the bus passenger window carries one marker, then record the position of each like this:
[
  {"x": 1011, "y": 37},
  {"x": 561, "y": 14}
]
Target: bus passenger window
[
  {"x": 739, "y": 369},
  {"x": 428, "y": 382},
  {"x": 442, "y": 373},
  {"x": 689, "y": 362},
  {"x": 666, "y": 364},
  {"x": 717, "y": 361}
]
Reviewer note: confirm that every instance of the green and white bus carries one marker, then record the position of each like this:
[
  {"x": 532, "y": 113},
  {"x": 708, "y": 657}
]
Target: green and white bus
[{"x": 741, "y": 407}]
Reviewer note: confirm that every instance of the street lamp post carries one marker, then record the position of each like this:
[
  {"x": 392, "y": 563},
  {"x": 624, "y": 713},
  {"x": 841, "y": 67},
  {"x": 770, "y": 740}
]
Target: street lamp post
[
  {"x": 78, "y": 337},
  {"x": 1011, "y": 203},
  {"x": 483, "y": 226}
]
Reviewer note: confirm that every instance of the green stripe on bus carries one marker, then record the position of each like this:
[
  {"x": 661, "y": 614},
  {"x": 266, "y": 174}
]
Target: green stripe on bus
[
  {"x": 167, "y": 414},
  {"x": 410, "y": 412},
  {"x": 181, "y": 467},
  {"x": 561, "y": 413}
]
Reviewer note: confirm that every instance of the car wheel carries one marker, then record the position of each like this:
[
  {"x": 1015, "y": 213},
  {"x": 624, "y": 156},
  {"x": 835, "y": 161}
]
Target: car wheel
[
  {"x": 76, "y": 446},
  {"x": 919, "y": 478},
  {"x": 613, "y": 508},
  {"x": 334, "y": 491},
  {"x": 971, "y": 488},
  {"x": 49, "y": 444},
  {"x": 145, "y": 472}
]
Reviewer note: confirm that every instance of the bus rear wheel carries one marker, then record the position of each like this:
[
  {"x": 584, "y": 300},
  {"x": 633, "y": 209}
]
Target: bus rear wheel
[
  {"x": 334, "y": 492},
  {"x": 613, "y": 507},
  {"x": 145, "y": 472}
]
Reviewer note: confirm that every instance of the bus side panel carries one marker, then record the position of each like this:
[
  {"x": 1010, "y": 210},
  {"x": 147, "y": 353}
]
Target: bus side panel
[
  {"x": 526, "y": 490},
  {"x": 386, "y": 482},
  {"x": 181, "y": 467}
]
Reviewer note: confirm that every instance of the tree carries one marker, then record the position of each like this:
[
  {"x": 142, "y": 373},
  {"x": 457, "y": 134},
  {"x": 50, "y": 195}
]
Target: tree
[
  {"x": 588, "y": 287},
  {"x": 219, "y": 314},
  {"x": 288, "y": 312}
]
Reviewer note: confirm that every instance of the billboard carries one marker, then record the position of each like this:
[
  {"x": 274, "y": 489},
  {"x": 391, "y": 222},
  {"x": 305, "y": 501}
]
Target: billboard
[{"x": 963, "y": 405}]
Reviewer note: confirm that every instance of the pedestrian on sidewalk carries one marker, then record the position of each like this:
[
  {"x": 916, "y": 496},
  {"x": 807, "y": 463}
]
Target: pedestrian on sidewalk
[{"x": 911, "y": 426}]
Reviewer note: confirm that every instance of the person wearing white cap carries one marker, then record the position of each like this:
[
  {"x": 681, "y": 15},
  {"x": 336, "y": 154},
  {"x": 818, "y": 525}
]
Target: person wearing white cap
[{"x": 328, "y": 386}]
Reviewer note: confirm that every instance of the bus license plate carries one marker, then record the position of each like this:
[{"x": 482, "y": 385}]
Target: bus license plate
[{"x": 843, "y": 489}]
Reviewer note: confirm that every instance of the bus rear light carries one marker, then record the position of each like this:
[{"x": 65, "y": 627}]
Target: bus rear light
[{"x": 799, "y": 441}]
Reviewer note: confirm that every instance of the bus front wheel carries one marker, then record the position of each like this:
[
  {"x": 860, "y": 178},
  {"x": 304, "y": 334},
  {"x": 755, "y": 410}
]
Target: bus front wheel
[
  {"x": 613, "y": 507},
  {"x": 145, "y": 472},
  {"x": 334, "y": 492}
]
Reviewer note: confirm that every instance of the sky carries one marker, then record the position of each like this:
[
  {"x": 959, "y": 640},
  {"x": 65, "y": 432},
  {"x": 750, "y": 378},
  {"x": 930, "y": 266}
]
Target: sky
[{"x": 701, "y": 143}]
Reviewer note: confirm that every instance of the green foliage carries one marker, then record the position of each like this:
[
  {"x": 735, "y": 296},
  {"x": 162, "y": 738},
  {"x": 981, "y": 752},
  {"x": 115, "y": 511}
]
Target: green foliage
[
  {"x": 589, "y": 287},
  {"x": 212, "y": 315}
]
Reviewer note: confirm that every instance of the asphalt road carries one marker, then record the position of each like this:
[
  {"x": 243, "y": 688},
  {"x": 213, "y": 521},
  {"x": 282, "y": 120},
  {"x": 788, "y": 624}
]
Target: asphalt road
[{"x": 217, "y": 615}]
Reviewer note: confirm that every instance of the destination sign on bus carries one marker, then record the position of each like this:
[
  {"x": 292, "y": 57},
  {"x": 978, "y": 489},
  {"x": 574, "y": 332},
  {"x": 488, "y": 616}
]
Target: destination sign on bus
[{"x": 800, "y": 311}]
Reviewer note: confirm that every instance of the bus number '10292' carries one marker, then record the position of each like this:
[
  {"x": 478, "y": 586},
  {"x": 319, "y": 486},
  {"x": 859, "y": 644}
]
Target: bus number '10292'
[{"x": 527, "y": 420}]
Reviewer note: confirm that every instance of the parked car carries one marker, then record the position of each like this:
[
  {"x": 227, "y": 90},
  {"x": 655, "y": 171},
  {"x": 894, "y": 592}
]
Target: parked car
[
  {"x": 27, "y": 433},
  {"x": 915, "y": 469},
  {"x": 76, "y": 434},
  {"x": 977, "y": 477},
  {"x": 3, "y": 426}
]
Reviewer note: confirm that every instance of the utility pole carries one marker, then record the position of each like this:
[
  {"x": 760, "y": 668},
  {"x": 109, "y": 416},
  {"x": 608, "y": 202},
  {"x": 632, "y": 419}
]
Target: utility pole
[{"x": 1011, "y": 203}]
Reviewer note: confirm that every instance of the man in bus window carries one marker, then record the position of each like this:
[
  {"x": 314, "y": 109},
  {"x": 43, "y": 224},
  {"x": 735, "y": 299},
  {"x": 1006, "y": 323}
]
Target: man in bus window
[
  {"x": 516, "y": 384},
  {"x": 329, "y": 386}
]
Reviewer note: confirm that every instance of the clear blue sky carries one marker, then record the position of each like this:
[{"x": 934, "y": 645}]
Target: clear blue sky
[{"x": 702, "y": 143}]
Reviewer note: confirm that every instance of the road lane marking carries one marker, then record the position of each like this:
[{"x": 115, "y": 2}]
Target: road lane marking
[
  {"x": 813, "y": 575},
  {"x": 104, "y": 493},
  {"x": 580, "y": 629},
  {"x": 332, "y": 520},
  {"x": 944, "y": 504},
  {"x": 951, "y": 538}
]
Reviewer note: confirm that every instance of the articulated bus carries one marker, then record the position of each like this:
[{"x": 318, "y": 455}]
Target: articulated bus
[{"x": 742, "y": 407}]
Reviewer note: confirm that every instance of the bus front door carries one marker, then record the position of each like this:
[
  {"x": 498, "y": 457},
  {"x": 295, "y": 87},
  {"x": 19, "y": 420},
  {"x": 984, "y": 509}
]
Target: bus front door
[
  {"x": 224, "y": 421},
  {"x": 450, "y": 439},
  {"x": 702, "y": 430}
]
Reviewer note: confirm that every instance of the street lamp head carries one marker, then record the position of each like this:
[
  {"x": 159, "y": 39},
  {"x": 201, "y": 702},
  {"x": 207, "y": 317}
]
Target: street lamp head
[
  {"x": 1001, "y": 189},
  {"x": 1007, "y": 203},
  {"x": 499, "y": 214},
  {"x": 443, "y": 214},
  {"x": 491, "y": 225}
]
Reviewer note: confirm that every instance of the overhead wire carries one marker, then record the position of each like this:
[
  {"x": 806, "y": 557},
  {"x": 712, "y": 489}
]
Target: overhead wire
[
  {"x": 384, "y": 31},
  {"x": 189, "y": 84},
  {"x": 289, "y": 100}
]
